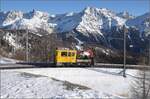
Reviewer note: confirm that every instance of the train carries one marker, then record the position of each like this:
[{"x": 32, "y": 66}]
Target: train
[{"x": 66, "y": 56}]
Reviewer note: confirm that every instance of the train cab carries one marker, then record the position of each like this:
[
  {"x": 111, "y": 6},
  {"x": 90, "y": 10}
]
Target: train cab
[{"x": 65, "y": 56}]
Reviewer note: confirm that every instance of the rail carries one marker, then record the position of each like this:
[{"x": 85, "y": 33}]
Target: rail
[{"x": 51, "y": 65}]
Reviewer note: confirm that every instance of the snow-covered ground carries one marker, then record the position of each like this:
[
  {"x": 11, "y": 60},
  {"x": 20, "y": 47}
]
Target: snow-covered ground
[
  {"x": 65, "y": 83},
  {"x": 4, "y": 60},
  {"x": 25, "y": 85}
]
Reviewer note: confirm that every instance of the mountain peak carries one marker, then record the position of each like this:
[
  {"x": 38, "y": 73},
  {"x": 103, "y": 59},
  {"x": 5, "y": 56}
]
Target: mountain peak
[
  {"x": 39, "y": 14},
  {"x": 88, "y": 9},
  {"x": 70, "y": 14},
  {"x": 125, "y": 15},
  {"x": 94, "y": 9}
]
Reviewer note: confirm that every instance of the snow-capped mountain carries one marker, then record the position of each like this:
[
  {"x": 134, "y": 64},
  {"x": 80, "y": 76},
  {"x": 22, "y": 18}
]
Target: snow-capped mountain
[
  {"x": 90, "y": 25},
  {"x": 141, "y": 22},
  {"x": 90, "y": 20},
  {"x": 94, "y": 19},
  {"x": 19, "y": 20}
]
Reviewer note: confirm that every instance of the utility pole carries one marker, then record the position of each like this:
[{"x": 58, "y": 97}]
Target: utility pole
[
  {"x": 1, "y": 33},
  {"x": 124, "y": 52},
  {"x": 149, "y": 51},
  {"x": 0, "y": 46},
  {"x": 27, "y": 47}
]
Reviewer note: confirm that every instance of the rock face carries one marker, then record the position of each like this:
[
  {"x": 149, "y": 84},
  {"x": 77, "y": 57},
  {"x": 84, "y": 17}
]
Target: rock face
[{"x": 98, "y": 25}]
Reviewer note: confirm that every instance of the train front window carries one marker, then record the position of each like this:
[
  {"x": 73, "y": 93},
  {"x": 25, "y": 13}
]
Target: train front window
[
  {"x": 73, "y": 54},
  {"x": 63, "y": 53},
  {"x": 69, "y": 54}
]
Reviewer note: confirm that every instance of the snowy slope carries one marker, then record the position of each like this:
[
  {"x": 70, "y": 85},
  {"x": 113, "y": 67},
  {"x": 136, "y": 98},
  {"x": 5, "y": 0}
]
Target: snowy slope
[
  {"x": 11, "y": 17},
  {"x": 65, "y": 22}
]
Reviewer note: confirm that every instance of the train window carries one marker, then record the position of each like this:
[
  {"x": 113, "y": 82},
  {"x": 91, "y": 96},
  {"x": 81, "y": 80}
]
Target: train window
[
  {"x": 63, "y": 53},
  {"x": 69, "y": 54},
  {"x": 73, "y": 54}
]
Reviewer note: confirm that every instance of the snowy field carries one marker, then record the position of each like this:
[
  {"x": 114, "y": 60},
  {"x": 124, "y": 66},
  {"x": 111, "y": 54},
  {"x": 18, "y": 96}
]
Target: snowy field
[{"x": 66, "y": 83}]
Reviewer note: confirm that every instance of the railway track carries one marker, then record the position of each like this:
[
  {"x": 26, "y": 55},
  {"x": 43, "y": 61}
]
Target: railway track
[{"x": 51, "y": 65}]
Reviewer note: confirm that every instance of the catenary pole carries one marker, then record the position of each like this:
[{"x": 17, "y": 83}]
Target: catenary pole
[
  {"x": 149, "y": 51},
  {"x": 124, "y": 52},
  {"x": 27, "y": 51}
]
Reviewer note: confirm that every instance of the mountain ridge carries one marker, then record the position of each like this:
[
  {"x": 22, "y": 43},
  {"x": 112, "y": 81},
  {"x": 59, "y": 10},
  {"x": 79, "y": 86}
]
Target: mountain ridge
[{"x": 90, "y": 25}]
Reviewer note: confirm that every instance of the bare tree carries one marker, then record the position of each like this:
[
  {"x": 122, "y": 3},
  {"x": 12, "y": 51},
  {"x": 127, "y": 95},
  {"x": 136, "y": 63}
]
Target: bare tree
[{"x": 43, "y": 49}]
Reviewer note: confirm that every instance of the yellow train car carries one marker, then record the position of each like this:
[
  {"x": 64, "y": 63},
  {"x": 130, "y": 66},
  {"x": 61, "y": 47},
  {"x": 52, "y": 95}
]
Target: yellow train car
[{"x": 66, "y": 56}]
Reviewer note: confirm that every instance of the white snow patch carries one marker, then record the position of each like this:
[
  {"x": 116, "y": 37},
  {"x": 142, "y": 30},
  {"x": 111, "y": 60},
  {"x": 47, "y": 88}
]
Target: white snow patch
[{"x": 4, "y": 60}]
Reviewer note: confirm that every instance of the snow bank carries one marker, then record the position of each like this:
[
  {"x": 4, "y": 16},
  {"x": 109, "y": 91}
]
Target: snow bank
[{"x": 4, "y": 60}]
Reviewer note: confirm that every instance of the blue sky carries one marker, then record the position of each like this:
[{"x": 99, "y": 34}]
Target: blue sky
[{"x": 135, "y": 7}]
